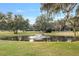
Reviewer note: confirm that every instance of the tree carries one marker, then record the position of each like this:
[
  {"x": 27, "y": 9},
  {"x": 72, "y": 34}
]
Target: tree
[
  {"x": 3, "y": 22},
  {"x": 14, "y": 23},
  {"x": 77, "y": 11},
  {"x": 2, "y": 16},
  {"x": 17, "y": 23},
  {"x": 20, "y": 23},
  {"x": 56, "y": 8},
  {"x": 42, "y": 23},
  {"x": 74, "y": 21},
  {"x": 50, "y": 8},
  {"x": 25, "y": 25},
  {"x": 9, "y": 20}
]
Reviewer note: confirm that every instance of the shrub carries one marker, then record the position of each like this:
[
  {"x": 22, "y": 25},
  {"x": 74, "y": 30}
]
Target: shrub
[{"x": 48, "y": 30}]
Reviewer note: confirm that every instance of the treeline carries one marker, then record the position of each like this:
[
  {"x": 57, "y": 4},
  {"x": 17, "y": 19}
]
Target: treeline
[
  {"x": 69, "y": 21},
  {"x": 49, "y": 11},
  {"x": 45, "y": 25},
  {"x": 45, "y": 22},
  {"x": 11, "y": 22}
]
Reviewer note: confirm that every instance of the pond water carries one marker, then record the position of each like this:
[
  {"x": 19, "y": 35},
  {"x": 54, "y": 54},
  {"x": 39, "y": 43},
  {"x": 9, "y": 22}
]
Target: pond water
[{"x": 51, "y": 38}]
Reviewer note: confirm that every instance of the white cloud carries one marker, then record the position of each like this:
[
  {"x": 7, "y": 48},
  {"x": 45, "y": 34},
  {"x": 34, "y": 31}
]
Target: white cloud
[
  {"x": 31, "y": 19},
  {"x": 33, "y": 10},
  {"x": 32, "y": 22},
  {"x": 28, "y": 10},
  {"x": 19, "y": 10}
]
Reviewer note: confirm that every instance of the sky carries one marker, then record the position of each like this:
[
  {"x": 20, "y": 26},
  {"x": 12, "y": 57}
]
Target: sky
[{"x": 28, "y": 10}]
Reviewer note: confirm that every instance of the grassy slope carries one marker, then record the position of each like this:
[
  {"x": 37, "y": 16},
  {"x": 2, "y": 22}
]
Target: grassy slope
[{"x": 21, "y": 48}]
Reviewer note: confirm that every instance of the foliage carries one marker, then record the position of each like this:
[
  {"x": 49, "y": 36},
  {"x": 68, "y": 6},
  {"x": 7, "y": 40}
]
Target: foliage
[
  {"x": 12, "y": 22},
  {"x": 48, "y": 30},
  {"x": 66, "y": 8},
  {"x": 42, "y": 23}
]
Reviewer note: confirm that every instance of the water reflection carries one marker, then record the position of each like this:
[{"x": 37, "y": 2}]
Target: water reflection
[{"x": 51, "y": 38}]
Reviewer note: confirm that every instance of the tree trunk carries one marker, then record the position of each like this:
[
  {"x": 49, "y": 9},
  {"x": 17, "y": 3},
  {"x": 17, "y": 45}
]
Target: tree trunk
[
  {"x": 15, "y": 32},
  {"x": 23, "y": 30},
  {"x": 74, "y": 31}
]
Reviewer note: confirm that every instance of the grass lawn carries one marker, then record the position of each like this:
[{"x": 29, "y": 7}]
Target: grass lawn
[
  {"x": 23, "y": 48},
  {"x": 7, "y": 33},
  {"x": 61, "y": 33}
]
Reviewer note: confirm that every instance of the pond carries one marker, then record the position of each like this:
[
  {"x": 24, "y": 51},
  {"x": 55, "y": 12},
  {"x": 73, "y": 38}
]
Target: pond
[{"x": 51, "y": 38}]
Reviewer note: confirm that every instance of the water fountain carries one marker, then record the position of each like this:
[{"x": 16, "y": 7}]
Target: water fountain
[{"x": 37, "y": 37}]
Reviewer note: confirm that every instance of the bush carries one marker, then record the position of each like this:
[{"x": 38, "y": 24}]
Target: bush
[{"x": 48, "y": 30}]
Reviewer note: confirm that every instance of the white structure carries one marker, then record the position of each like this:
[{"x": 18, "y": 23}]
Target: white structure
[{"x": 37, "y": 37}]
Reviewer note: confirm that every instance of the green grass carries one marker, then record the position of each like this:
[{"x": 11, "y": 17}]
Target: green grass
[
  {"x": 21, "y": 48},
  {"x": 62, "y": 33},
  {"x": 27, "y": 33},
  {"x": 56, "y": 33}
]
